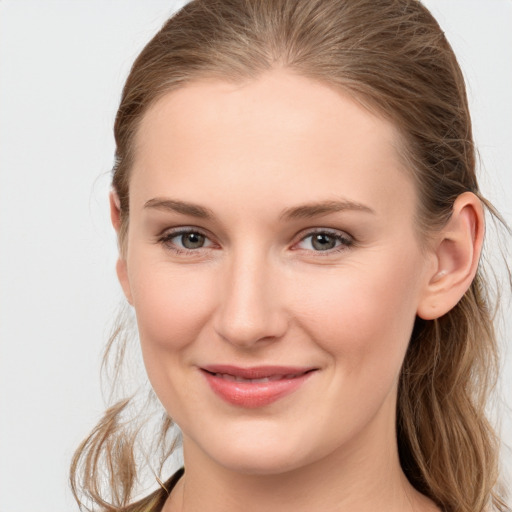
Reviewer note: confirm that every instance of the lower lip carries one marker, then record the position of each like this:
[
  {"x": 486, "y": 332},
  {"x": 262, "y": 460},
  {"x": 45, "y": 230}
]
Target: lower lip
[{"x": 254, "y": 394}]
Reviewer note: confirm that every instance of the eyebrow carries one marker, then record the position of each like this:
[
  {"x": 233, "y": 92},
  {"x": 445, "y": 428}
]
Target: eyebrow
[
  {"x": 173, "y": 205},
  {"x": 318, "y": 209},
  {"x": 305, "y": 211}
]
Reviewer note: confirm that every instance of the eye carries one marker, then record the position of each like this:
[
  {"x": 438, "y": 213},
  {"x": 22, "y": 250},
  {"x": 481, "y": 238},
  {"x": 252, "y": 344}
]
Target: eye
[
  {"x": 325, "y": 241},
  {"x": 185, "y": 240}
]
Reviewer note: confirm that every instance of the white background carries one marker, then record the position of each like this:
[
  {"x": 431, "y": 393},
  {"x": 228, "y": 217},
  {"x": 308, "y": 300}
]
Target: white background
[{"x": 62, "y": 66}]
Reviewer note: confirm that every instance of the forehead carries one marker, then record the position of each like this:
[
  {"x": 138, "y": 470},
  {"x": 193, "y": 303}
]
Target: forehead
[{"x": 280, "y": 133}]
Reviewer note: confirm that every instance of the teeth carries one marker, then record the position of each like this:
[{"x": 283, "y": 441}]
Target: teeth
[{"x": 227, "y": 376}]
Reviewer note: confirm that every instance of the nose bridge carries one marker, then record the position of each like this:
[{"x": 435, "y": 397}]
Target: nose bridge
[{"x": 250, "y": 308}]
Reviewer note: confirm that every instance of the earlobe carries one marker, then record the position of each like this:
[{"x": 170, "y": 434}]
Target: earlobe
[{"x": 457, "y": 252}]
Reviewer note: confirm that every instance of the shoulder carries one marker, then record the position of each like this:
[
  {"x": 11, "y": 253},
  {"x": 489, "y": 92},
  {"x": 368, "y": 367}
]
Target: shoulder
[{"x": 156, "y": 500}]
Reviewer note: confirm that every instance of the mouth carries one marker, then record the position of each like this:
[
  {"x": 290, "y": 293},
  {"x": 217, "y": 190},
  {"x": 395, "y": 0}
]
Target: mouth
[
  {"x": 257, "y": 386},
  {"x": 272, "y": 378}
]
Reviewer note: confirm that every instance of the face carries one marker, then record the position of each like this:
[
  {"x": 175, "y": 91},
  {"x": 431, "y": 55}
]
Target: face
[{"x": 275, "y": 270}]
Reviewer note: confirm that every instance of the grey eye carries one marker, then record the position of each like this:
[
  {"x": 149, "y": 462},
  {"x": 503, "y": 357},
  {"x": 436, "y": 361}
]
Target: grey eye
[
  {"x": 192, "y": 240},
  {"x": 326, "y": 241},
  {"x": 323, "y": 241}
]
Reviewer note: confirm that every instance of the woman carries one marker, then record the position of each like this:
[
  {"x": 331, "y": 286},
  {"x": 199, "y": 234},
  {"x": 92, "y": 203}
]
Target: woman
[{"x": 300, "y": 228}]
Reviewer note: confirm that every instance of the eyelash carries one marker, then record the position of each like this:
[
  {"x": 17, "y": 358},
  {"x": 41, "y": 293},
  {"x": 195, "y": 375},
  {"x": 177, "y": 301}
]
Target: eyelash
[{"x": 345, "y": 241}]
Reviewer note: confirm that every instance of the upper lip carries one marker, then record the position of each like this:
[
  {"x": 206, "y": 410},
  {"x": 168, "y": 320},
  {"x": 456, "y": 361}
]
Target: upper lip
[{"x": 257, "y": 372}]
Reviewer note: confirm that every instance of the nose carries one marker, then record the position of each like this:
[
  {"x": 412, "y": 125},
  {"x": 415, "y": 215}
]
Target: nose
[{"x": 250, "y": 309}]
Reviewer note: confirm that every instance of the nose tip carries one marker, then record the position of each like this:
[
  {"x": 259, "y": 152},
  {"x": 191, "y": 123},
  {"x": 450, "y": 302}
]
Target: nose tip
[
  {"x": 250, "y": 309},
  {"x": 245, "y": 335}
]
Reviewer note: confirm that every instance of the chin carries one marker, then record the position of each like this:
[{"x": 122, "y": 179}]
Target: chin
[{"x": 258, "y": 451}]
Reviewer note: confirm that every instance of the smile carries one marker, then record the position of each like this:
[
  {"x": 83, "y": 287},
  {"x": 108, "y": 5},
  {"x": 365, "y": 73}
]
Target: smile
[
  {"x": 254, "y": 387},
  {"x": 272, "y": 378}
]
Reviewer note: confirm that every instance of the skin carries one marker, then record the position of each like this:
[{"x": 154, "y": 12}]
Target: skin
[{"x": 260, "y": 292}]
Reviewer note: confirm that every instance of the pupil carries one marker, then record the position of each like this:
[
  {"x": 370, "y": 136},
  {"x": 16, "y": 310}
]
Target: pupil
[
  {"x": 323, "y": 242},
  {"x": 192, "y": 240}
]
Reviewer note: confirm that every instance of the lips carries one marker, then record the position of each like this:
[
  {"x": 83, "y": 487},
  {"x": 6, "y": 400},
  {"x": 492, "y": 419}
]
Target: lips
[{"x": 257, "y": 386}]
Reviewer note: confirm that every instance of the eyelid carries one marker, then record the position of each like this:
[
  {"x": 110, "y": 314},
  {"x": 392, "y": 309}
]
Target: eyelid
[
  {"x": 182, "y": 229},
  {"x": 329, "y": 231}
]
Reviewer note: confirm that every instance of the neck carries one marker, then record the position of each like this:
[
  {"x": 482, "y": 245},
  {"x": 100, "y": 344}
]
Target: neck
[{"x": 362, "y": 476}]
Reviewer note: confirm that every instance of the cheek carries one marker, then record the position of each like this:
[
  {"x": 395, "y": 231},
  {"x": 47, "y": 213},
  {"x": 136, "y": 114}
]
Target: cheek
[
  {"x": 169, "y": 300},
  {"x": 172, "y": 306},
  {"x": 169, "y": 311},
  {"x": 363, "y": 317}
]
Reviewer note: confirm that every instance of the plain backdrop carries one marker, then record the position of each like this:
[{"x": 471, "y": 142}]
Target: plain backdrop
[{"x": 62, "y": 66}]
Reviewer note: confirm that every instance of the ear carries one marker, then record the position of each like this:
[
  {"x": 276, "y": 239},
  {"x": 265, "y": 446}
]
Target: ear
[
  {"x": 457, "y": 250},
  {"x": 115, "y": 210},
  {"x": 121, "y": 266}
]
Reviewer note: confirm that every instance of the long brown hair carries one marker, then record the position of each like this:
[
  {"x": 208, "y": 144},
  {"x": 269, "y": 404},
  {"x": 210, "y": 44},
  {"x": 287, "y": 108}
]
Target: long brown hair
[{"x": 392, "y": 57}]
